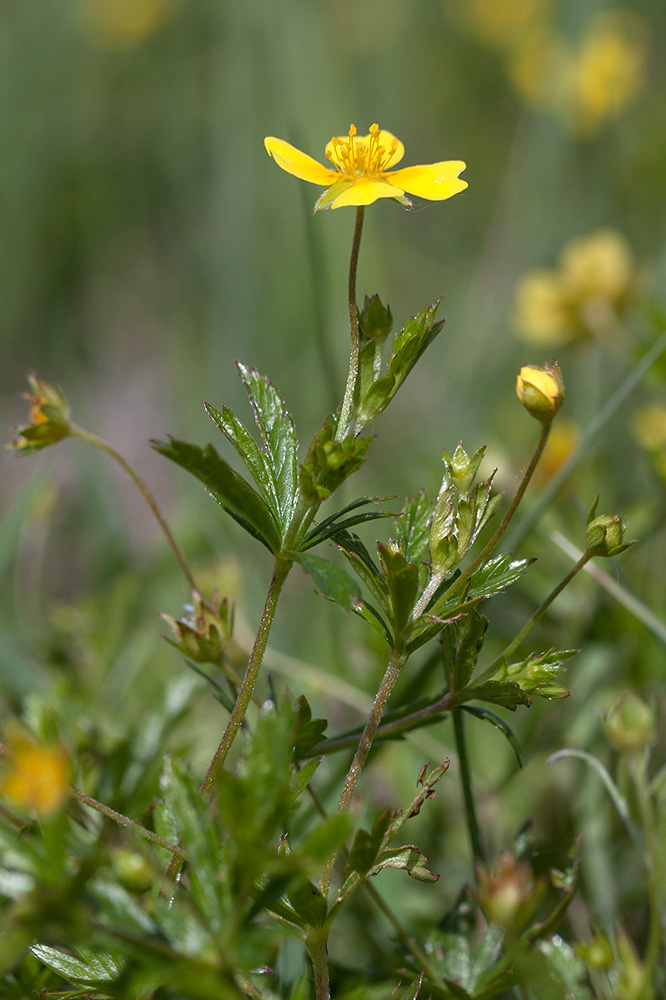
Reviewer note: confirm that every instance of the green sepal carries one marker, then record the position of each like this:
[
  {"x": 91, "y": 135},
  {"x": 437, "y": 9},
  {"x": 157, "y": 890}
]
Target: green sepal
[
  {"x": 233, "y": 493},
  {"x": 328, "y": 462},
  {"x": 461, "y": 468},
  {"x": 375, "y": 320},
  {"x": 469, "y": 634},
  {"x": 537, "y": 673},
  {"x": 403, "y": 584}
]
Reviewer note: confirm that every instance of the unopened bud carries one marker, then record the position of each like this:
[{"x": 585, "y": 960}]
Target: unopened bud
[
  {"x": 631, "y": 724},
  {"x": 604, "y": 535},
  {"x": 541, "y": 390},
  {"x": 48, "y": 419},
  {"x": 509, "y": 894}
]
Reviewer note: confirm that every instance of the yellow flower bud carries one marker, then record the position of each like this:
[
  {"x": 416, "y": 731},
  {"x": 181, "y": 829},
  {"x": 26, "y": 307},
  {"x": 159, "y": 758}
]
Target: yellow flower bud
[
  {"x": 38, "y": 776},
  {"x": 541, "y": 390}
]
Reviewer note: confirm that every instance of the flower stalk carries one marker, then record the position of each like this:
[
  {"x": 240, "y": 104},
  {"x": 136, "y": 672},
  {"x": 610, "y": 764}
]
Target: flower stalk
[{"x": 344, "y": 420}]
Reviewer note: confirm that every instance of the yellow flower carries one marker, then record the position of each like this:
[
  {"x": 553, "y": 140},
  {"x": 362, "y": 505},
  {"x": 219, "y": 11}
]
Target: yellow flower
[
  {"x": 649, "y": 427},
  {"x": 586, "y": 295},
  {"x": 38, "y": 776},
  {"x": 501, "y": 24},
  {"x": 540, "y": 390},
  {"x": 122, "y": 23},
  {"x": 359, "y": 172}
]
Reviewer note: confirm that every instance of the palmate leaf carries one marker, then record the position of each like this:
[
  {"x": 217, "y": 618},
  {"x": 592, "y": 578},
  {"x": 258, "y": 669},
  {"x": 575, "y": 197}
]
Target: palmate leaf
[
  {"x": 233, "y": 493},
  {"x": 278, "y": 435}
]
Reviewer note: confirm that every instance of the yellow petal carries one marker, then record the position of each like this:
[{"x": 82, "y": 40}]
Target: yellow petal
[
  {"x": 299, "y": 164},
  {"x": 365, "y": 191},
  {"x": 435, "y": 181}
]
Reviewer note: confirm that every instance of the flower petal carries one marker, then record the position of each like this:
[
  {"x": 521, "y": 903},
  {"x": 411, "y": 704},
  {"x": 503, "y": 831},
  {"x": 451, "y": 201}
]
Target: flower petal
[
  {"x": 435, "y": 181},
  {"x": 299, "y": 164},
  {"x": 366, "y": 190}
]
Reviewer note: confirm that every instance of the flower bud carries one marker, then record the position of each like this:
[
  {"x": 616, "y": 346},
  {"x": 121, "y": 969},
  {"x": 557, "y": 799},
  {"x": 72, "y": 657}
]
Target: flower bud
[
  {"x": 631, "y": 725},
  {"x": 541, "y": 390},
  {"x": 509, "y": 894},
  {"x": 48, "y": 420},
  {"x": 375, "y": 320},
  {"x": 203, "y": 633},
  {"x": 604, "y": 535},
  {"x": 38, "y": 776}
]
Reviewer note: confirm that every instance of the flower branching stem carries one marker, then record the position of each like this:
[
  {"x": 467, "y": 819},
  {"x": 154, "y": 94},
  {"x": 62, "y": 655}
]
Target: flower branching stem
[
  {"x": 397, "y": 660},
  {"x": 145, "y": 493},
  {"x": 344, "y": 420},
  {"x": 280, "y": 572}
]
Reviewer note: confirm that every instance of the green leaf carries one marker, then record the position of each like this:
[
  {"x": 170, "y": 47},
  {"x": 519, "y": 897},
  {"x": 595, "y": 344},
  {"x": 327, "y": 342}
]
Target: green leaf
[
  {"x": 336, "y": 523},
  {"x": 331, "y": 581},
  {"x": 226, "y": 487},
  {"x": 497, "y": 693},
  {"x": 364, "y": 565},
  {"x": 309, "y": 731},
  {"x": 239, "y": 436},
  {"x": 403, "y": 584},
  {"x": 367, "y": 844},
  {"x": 88, "y": 969},
  {"x": 408, "y": 859},
  {"x": 308, "y": 902},
  {"x": 413, "y": 532},
  {"x": 302, "y": 778},
  {"x": 498, "y": 723},
  {"x": 469, "y": 633},
  {"x": 279, "y": 437},
  {"x": 418, "y": 332}
]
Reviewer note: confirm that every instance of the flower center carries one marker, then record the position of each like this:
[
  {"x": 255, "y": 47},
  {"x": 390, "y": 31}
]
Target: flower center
[{"x": 361, "y": 159}]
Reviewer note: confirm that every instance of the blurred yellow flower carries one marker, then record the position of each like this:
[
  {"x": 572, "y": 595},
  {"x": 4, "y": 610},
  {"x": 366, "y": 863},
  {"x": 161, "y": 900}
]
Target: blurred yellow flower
[
  {"x": 649, "y": 427},
  {"x": 586, "y": 295},
  {"x": 122, "y": 23},
  {"x": 38, "y": 776},
  {"x": 502, "y": 22},
  {"x": 606, "y": 74},
  {"x": 359, "y": 174}
]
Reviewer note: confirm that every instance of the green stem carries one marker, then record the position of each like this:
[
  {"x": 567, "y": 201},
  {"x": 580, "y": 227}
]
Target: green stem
[
  {"x": 478, "y": 853},
  {"x": 145, "y": 493},
  {"x": 344, "y": 420},
  {"x": 280, "y": 573},
  {"x": 319, "y": 956},
  {"x": 397, "y": 660},
  {"x": 653, "y": 862},
  {"x": 483, "y": 555},
  {"x": 117, "y": 817},
  {"x": 513, "y": 645}
]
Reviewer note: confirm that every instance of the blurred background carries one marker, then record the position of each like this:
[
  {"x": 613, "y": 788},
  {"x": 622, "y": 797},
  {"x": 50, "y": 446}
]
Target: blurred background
[{"x": 148, "y": 241}]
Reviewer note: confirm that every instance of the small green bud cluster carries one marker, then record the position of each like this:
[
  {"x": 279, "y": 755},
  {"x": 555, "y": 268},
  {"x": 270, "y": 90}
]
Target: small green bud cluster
[
  {"x": 375, "y": 320},
  {"x": 204, "y": 632}
]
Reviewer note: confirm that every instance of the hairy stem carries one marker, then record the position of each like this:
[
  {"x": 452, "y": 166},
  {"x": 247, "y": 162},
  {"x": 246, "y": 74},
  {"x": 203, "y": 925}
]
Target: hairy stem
[
  {"x": 280, "y": 573},
  {"x": 397, "y": 660},
  {"x": 119, "y": 818},
  {"x": 344, "y": 420},
  {"x": 145, "y": 493},
  {"x": 319, "y": 956}
]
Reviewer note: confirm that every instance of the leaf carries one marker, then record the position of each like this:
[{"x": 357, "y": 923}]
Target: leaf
[
  {"x": 336, "y": 523},
  {"x": 227, "y": 488},
  {"x": 309, "y": 731},
  {"x": 364, "y": 565},
  {"x": 418, "y": 332},
  {"x": 308, "y": 902},
  {"x": 408, "y": 859},
  {"x": 239, "y": 436},
  {"x": 90, "y": 968},
  {"x": 331, "y": 581},
  {"x": 413, "y": 530},
  {"x": 494, "y": 720},
  {"x": 502, "y": 693},
  {"x": 302, "y": 778},
  {"x": 279, "y": 437},
  {"x": 469, "y": 634},
  {"x": 367, "y": 844},
  {"x": 403, "y": 584}
]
